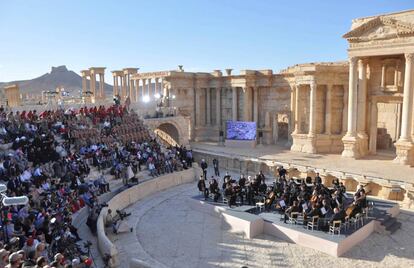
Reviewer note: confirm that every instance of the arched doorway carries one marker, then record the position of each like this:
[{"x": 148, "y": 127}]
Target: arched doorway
[{"x": 168, "y": 133}]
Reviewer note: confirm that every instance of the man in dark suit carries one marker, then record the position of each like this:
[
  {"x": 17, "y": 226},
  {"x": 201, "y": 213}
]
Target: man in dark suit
[
  {"x": 337, "y": 216},
  {"x": 318, "y": 179},
  {"x": 204, "y": 168},
  {"x": 216, "y": 167}
]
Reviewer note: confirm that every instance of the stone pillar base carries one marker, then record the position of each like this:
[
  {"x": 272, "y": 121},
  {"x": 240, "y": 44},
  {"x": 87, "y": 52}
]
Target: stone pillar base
[
  {"x": 309, "y": 146},
  {"x": 303, "y": 143},
  {"x": 355, "y": 147},
  {"x": 404, "y": 150}
]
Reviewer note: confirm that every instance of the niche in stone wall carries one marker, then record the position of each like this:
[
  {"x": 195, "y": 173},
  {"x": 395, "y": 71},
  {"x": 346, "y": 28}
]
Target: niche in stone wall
[
  {"x": 282, "y": 126},
  {"x": 391, "y": 75}
]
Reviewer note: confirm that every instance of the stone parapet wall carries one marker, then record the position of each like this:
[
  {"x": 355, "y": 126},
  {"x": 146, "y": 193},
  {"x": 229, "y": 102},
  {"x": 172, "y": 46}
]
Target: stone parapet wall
[{"x": 133, "y": 195}]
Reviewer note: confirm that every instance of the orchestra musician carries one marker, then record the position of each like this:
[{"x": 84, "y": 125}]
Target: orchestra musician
[
  {"x": 293, "y": 208},
  {"x": 287, "y": 195},
  {"x": 214, "y": 189},
  {"x": 338, "y": 215},
  {"x": 202, "y": 187}
]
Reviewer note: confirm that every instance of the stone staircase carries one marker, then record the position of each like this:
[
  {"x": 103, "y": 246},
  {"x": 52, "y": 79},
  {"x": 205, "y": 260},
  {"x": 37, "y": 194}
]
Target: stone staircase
[{"x": 388, "y": 224}]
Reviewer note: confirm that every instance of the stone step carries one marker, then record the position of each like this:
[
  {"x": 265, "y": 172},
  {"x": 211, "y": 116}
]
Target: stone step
[
  {"x": 394, "y": 227},
  {"x": 388, "y": 222}
]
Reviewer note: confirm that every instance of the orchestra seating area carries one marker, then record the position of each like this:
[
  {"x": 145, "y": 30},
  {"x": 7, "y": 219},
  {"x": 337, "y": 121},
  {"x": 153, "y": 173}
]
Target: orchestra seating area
[{"x": 252, "y": 221}]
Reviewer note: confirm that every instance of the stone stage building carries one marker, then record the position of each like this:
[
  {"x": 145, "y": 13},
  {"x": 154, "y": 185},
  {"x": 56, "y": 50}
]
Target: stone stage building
[
  {"x": 355, "y": 108},
  {"x": 351, "y": 108}
]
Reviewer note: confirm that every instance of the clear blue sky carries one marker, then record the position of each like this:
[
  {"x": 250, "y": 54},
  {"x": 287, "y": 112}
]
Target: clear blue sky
[{"x": 154, "y": 35}]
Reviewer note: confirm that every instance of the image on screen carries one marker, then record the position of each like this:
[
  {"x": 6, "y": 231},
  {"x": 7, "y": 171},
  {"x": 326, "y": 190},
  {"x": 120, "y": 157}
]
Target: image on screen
[{"x": 241, "y": 130}]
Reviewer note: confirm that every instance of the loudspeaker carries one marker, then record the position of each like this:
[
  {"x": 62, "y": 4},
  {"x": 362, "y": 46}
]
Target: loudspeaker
[
  {"x": 221, "y": 133},
  {"x": 260, "y": 134}
]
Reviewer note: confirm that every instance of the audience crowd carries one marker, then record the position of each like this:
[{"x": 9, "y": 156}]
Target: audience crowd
[{"x": 48, "y": 157}]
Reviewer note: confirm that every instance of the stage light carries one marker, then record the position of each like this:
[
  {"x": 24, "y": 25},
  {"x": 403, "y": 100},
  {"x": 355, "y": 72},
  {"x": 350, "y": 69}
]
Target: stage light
[
  {"x": 157, "y": 96},
  {"x": 146, "y": 98},
  {"x": 173, "y": 97}
]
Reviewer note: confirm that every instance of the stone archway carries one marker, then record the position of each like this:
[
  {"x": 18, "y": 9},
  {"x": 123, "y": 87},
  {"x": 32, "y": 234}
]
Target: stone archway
[
  {"x": 175, "y": 128},
  {"x": 168, "y": 133}
]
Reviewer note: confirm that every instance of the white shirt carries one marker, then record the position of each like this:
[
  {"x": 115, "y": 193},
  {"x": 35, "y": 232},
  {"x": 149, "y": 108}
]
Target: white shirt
[{"x": 26, "y": 175}]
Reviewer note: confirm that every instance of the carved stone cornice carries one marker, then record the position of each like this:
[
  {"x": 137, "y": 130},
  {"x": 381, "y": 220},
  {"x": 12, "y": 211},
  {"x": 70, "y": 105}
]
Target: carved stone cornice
[{"x": 401, "y": 28}]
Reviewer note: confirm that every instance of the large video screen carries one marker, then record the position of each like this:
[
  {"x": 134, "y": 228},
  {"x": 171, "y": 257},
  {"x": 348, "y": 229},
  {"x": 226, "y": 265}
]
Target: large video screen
[{"x": 240, "y": 130}]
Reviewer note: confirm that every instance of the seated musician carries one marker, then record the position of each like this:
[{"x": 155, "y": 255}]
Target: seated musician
[
  {"x": 360, "y": 199},
  {"x": 338, "y": 215},
  {"x": 255, "y": 185},
  {"x": 326, "y": 209},
  {"x": 341, "y": 187},
  {"x": 337, "y": 199},
  {"x": 249, "y": 194},
  {"x": 303, "y": 193},
  {"x": 262, "y": 187},
  {"x": 314, "y": 197},
  {"x": 214, "y": 188},
  {"x": 202, "y": 187},
  {"x": 314, "y": 211},
  {"x": 242, "y": 181},
  {"x": 318, "y": 179},
  {"x": 226, "y": 178},
  {"x": 230, "y": 195},
  {"x": 261, "y": 176},
  {"x": 294, "y": 208},
  {"x": 282, "y": 172}
]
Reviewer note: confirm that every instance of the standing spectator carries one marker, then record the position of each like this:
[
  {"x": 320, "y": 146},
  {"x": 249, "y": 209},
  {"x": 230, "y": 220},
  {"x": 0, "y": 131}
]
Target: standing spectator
[
  {"x": 204, "y": 168},
  {"x": 216, "y": 167}
]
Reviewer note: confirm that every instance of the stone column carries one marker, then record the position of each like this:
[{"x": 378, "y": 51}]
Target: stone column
[
  {"x": 84, "y": 84},
  {"x": 292, "y": 121},
  {"x": 208, "y": 106},
  {"x": 328, "y": 115},
  {"x": 247, "y": 104},
  {"x": 137, "y": 90},
  {"x": 121, "y": 89},
  {"x": 93, "y": 85},
  {"x": 143, "y": 88},
  {"x": 124, "y": 86},
  {"x": 407, "y": 100},
  {"x": 362, "y": 98},
  {"x": 149, "y": 87},
  {"x": 298, "y": 123},
  {"x": 373, "y": 128},
  {"x": 256, "y": 105},
  {"x": 345, "y": 110},
  {"x": 115, "y": 90},
  {"x": 352, "y": 97},
  {"x": 312, "y": 110},
  {"x": 404, "y": 144},
  {"x": 156, "y": 87},
  {"x": 234, "y": 103},
  {"x": 351, "y": 149},
  {"x": 198, "y": 115},
  {"x": 218, "y": 107},
  {"x": 132, "y": 90},
  {"x": 102, "y": 86}
]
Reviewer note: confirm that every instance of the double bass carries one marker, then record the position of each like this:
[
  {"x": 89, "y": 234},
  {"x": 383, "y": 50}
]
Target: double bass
[{"x": 269, "y": 200}]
